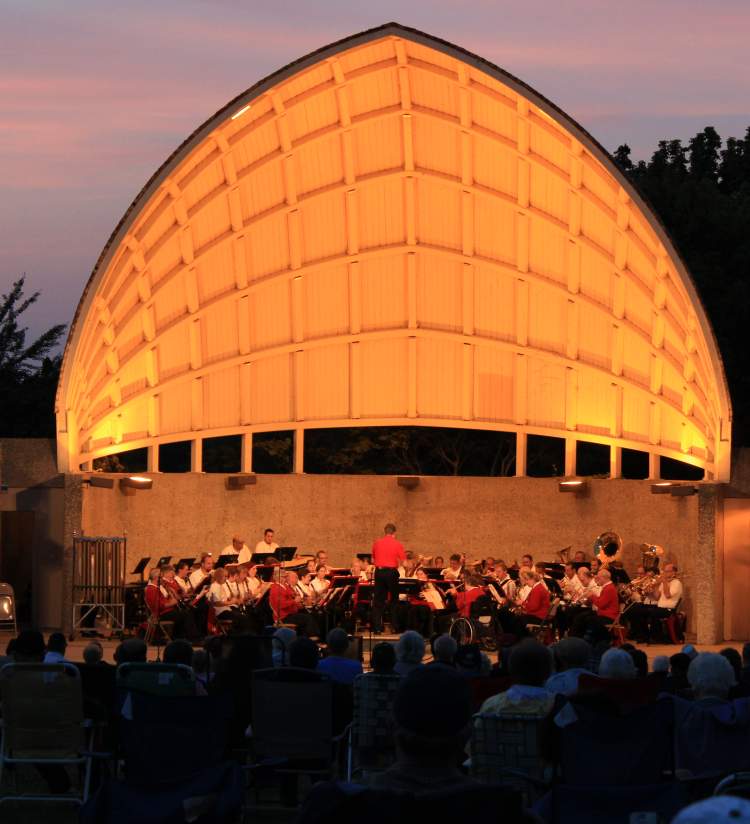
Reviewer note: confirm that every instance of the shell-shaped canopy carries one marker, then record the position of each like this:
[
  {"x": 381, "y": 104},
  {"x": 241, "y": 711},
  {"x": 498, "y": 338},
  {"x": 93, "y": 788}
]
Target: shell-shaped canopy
[{"x": 392, "y": 231}]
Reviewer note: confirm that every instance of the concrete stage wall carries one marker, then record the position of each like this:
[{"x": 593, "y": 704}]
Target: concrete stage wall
[{"x": 504, "y": 517}]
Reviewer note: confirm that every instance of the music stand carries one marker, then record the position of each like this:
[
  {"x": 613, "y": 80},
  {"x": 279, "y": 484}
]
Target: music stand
[
  {"x": 433, "y": 573},
  {"x": 163, "y": 561},
  {"x": 285, "y": 553},
  {"x": 189, "y": 561},
  {"x": 140, "y": 568},
  {"x": 223, "y": 560},
  {"x": 265, "y": 573}
]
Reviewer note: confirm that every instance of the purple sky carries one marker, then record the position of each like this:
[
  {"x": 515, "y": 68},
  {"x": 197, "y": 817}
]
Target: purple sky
[{"x": 95, "y": 95}]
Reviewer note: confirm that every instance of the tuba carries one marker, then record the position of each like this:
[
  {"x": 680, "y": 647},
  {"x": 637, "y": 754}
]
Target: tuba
[{"x": 608, "y": 547}]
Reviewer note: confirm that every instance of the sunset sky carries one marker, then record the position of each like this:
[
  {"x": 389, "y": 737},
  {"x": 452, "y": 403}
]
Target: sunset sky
[{"x": 95, "y": 95}]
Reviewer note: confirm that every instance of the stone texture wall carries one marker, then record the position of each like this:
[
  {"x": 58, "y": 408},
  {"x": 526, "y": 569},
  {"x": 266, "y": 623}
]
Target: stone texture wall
[{"x": 504, "y": 517}]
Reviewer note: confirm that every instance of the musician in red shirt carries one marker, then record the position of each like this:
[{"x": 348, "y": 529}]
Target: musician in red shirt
[
  {"x": 286, "y": 605},
  {"x": 607, "y": 602},
  {"x": 535, "y": 606},
  {"x": 472, "y": 590},
  {"x": 163, "y": 605},
  {"x": 387, "y": 555}
]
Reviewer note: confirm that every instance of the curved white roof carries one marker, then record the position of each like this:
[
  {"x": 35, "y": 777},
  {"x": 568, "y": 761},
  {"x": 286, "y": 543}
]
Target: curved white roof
[{"x": 392, "y": 231}]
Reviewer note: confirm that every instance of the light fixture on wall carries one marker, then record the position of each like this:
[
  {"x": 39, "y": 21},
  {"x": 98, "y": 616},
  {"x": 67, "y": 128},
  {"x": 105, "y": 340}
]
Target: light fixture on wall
[
  {"x": 8, "y": 607},
  {"x": 136, "y": 482},
  {"x": 683, "y": 490},
  {"x": 241, "y": 481},
  {"x": 577, "y": 486},
  {"x": 3, "y": 488},
  {"x": 408, "y": 481},
  {"x": 98, "y": 481},
  {"x": 661, "y": 488}
]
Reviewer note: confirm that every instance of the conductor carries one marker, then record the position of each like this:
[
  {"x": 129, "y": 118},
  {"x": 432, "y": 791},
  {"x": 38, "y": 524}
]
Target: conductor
[{"x": 387, "y": 555}]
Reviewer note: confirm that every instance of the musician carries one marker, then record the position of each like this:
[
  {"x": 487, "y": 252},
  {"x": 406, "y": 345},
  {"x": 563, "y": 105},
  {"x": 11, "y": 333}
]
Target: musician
[
  {"x": 607, "y": 603},
  {"x": 527, "y": 561},
  {"x": 163, "y": 604},
  {"x": 387, "y": 555},
  {"x": 645, "y": 619},
  {"x": 580, "y": 557},
  {"x": 239, "y": 548},
  {"x": 265, "y": 549},
  {"x": 181, "y": 578},
  {"x": 320, "y": 582},
  {"x": 305, "y": 589},
  {"x": 223, "y": 599},
  {"x": 596, "y": 565},
  {"x": 438, "y": 562},
  {"x": 535, "y": 606},
  {"x": 472, "y": 590},
  {"x": 570, "y": 584},
  {"x": 198, "y": 576},
  {"x": 504, "y": 582},
  {"x": 433, "y": 598},
  {"x": 312, "y": 566},
  {"x": 455, "y": 569},
  {"x": 286, "y": 604},
  {"x": 321, "y": 559},
  {"x": 359, "y": 570}
]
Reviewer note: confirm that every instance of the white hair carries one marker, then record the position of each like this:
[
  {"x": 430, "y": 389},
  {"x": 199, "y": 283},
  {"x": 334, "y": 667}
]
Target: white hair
[
  {"x": 410, "y": 648},
  {"x": 282, "y": 639},
  {"x": 617, "y": 663},
  {"x": 444, "y": 649},
  {"x": 711, "y": 675},
  {"x": 660, "y": 664}
]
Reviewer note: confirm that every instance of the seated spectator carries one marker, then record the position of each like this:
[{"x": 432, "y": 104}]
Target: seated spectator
[
  {"x": 444, "y": 650},
  {"x": 690, "y": 651},
  {"x": 432, "y": 720},
  {"x": 282, "y": 640},
  {"x": 571, "y": 657},
  {"x": 409, "y": 652},
  {"x": 132, "y": 651},
  {"x": 383, "y": 659},
  {"x": 202, "y": 667},
  {"x": 660, "y": 664},
  {"x": 617, "y": 663},
  {"x": 711, "y": 677},
  {"x": 336, "y": 664},
  {"x": 304, "y": 654},
  {"x": 56, "y": 646},
  {"x": 179, "y": 651},
  {"x": 469, "y": 661},
  {"x": 640, "y": 660},
  {"x": 739, "y": 690},
  {"x": 677, "y": 681},
  {"x": 93, "y": 654},
  {"x": 746, "y": 664},
  {"x": 29, "y": 647},
  {"x": 530, "y": 667},
  {"x": 715, "y": 810}
]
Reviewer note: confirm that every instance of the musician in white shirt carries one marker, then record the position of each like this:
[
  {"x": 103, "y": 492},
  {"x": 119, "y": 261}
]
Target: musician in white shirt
[
  {"x": 570, "y": 583},
  {"x": 645, "y": 619},
  {"x": 182, "y": 578},
  {"x": 220, "y": 594},
  {"x": 504, "y": 582},
  {"x": 359, "y": 570},
  {"x": 266, "y": 547},
  {"x": 204, "y": 570},
  {"x": 454, "y": 570},
  {"x": 237, "y": 547},
  {"x": 320, "y": 583}
]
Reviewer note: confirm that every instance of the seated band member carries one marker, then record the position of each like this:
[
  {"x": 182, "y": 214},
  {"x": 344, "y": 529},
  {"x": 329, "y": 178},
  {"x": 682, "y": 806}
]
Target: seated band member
[
  {"x": 305, "y": 589},
  {"x": 645, "y": 619},
  {"x": 605, "y": 606},
  {"x": 503, "y": 584},
  {"x": 535, "y": 607},
  {"x": 455, "y": 568},
  {"x": 181, "y": 577},
  {"x": 286, "y": 605},
  {"x": 163, "y": 605},
  {"x": 222, "y": 599},
  {"x": 359, "y": 570},
  {"x": 239, "y": 548},
  {"x": 201, "y": 576},
  {"x": 433, "y": 598},
  {"x": 570, "y": 583},
  {"x": 438, "y": 562},
  {"x": 320, "y": 583},
  {"x": 321, "y": 559},
  {"x": 473, "y": 589},
  {"x": 265, "y": 549}
]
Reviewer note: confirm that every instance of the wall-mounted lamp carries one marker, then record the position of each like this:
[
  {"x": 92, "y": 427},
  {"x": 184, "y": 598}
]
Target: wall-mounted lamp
[
  {"x": 408, "y": 481},
  {"x": 576, "y": 486},
  {"x": 661, "y": 488},
  {"x": 683, "y": 490},
  {"x": 241, "y": 481},
  {"x": 3, "y": 488},
  {"x": 136, "y": 482},
  {"x": 96, "y": 480}
]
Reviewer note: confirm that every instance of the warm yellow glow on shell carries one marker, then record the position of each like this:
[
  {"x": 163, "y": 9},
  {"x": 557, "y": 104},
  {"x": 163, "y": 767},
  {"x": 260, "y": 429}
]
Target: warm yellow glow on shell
[{"x": 393, "y": 232}]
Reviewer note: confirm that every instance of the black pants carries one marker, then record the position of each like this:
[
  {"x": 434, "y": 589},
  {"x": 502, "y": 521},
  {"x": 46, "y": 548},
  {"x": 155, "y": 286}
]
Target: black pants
[
  {"x": 386, "y": 584},
  {"x": 184, "y": 623},
  {"x": 306, "y": 623},
  {"x": 645, "y": 620}
]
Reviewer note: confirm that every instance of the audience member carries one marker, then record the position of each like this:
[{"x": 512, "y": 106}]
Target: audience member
[
  {"x": 383, "y": 658},
  {"x": 715, "y": 810},
  {"x": 444, "y": 650},
  {"x": 746, "y": 664},
  {"x": 677, "y": 681},
  {"x": 93, "y": 654},
  {"x": 179, "y": 651},
  {"x": 530, "y": 667},
  {"x": 29, "y": 647},
  {"x": 571, "y": 657},
  {"x": 660, "y": 664},
  {"x": 711, "y": 677},
  {"x": 56, "y": 646},
  {"x": 201, "y": 667},
  {"x": 336, "y": 664},
  {"x": 282, "y": 640},
  {"x": 303, "y": 653},
  {"x": 132, "y": 651},
  {"x": 617, "y": 663},
  {"x": 409, "y": 652},
  {"x": 468, "y": 661},
  {"x": 640, "y": 660},
  {"x": 432, "y": 720}
]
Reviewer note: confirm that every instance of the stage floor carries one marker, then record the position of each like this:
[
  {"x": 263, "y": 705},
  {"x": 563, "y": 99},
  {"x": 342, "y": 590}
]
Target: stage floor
[{"x": 75, "y": 648}]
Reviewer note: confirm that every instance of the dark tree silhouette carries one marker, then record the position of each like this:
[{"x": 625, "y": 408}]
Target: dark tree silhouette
[{"x": 28, "y": 371}]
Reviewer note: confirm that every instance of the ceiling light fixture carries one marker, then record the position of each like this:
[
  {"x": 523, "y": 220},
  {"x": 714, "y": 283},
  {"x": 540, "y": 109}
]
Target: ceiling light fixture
[{"x": 240, "y": 112}]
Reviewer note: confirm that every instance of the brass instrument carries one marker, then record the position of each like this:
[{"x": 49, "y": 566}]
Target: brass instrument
[{"x": 608, "y": 547}]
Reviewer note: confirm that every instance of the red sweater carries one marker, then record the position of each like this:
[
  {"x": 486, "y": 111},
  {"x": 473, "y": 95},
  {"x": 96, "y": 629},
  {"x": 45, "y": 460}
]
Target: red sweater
[
  {"x": 157, "y": 603},
  {"x": 466, "y": 598},
  {"x": 537, "y": 602},
  {"x": 607, "y": 603},
  {"x": 283, "y": 601}
]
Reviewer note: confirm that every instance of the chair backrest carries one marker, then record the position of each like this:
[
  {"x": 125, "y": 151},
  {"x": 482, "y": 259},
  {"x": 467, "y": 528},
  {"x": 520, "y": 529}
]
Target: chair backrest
[
  {"x": 42, "y": 710},
  {"x": 626, "y": 692},
  {"x": 156, "y": 679},
  {"x": 501, "y": 742},
  {"x": 373, "y": 707},
  {"x": 292, "y": 717}
]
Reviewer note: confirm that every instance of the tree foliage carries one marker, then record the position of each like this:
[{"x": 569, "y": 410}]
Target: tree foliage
[
  {"x": 28, "y": 371},
  {"x": 701, "y": 192}
]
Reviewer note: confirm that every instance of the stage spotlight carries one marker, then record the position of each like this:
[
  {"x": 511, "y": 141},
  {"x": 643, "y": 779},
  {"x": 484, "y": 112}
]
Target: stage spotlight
[
  {"x": 683, "y": 490},
  {"x": 241, "y": 481},
  {"x": 577, "y": 486},
  {"x": 136, "y": 482},
  {"x": 102, "y": 483},
  {"x": 662, "y": 488},
  {"x": 408, "y": 481}
]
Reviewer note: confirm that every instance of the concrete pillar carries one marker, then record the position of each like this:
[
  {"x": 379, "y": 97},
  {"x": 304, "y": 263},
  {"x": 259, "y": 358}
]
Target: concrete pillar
[
  {"x": 708, "y": 583},
  {"x": 520, "y": 454},
  {"x": 299, "y": 451},
  {"x": 246, "y": 459}
]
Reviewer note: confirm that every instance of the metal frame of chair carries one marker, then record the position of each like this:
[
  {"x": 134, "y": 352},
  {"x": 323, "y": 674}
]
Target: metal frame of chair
[
  {"x": 153, "y": 624},
  {"x": 545, "y": 631},
  {"x": 373, "y": 703},
  {"x": 79, "y": 730}
]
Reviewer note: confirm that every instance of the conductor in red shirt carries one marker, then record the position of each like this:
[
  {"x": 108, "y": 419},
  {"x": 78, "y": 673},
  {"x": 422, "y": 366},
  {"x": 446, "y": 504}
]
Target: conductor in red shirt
[{"x": 387, "y": 555}]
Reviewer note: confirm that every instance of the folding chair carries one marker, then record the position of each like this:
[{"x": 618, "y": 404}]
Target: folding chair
[
  {"x": 43, "y": 725},
  {"x": 371, "y": 744},
  {"x": 156, "y": 679}
]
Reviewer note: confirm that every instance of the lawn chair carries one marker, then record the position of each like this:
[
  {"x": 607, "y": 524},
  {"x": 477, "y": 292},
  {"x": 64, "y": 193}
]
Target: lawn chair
[
  {"x": 156, "y": 679},
  {"x": 43, "y": 725},
  {"x": 371, "y": 743}
]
